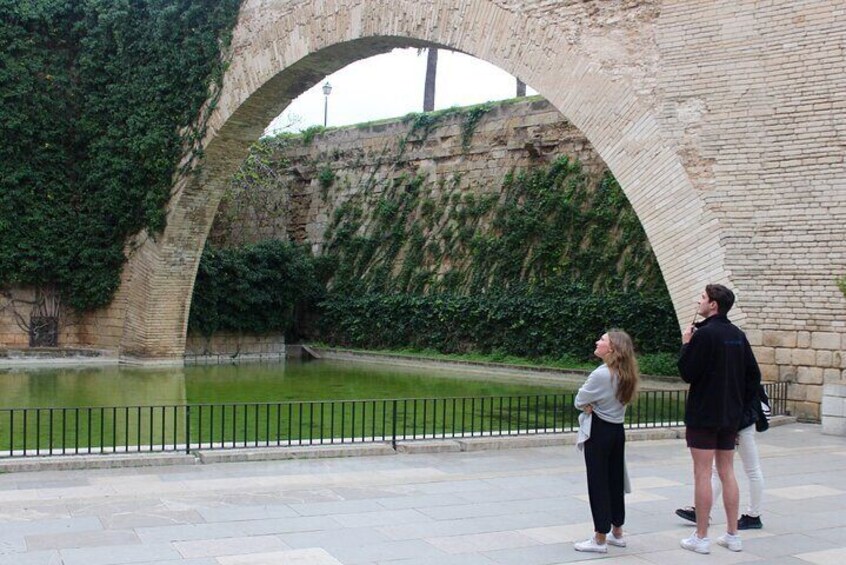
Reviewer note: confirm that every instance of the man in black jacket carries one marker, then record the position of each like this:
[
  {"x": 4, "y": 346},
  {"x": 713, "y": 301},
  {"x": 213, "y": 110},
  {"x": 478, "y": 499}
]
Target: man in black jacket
[{"x": 717, "y": 361}]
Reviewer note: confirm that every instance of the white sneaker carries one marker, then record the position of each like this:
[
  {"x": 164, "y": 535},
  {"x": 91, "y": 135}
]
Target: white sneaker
[
  {"x": 611, "y": 539},
  {"x": 591, "y": 545},
  {"x": 697, "y": 544},
  {"x": 731, "y": 541}
]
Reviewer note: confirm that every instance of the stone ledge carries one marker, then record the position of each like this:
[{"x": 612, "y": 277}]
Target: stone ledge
[
  {"x": 151, "y": 362},
  {"x": 76, "y": 462},
  {"x": 429, "y": 446},
  {"x": 299, "y": 452},
  {"x": 56, "y": 357},
  {"x": 51, "y": 352},
  {"x": 517, "y": 442},
  {"x": 782, "y": 420}
]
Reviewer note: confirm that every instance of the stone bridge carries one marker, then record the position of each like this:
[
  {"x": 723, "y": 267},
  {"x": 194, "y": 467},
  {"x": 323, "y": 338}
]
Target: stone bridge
[{"x": 724, "y": 122}]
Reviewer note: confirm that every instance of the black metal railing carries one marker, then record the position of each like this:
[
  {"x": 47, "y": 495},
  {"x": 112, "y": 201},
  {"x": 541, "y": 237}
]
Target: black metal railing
[{"x": 144, "y": 429}]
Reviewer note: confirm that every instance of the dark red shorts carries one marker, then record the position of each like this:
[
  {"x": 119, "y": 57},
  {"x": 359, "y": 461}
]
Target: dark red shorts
[{"x": 711, "y": 438}]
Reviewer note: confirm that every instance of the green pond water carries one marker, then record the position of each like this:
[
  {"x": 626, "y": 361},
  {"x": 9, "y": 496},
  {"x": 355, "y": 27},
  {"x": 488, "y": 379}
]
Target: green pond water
[
  {"x": 213, "y": 384},
  {"x": 123, "y": 409}
]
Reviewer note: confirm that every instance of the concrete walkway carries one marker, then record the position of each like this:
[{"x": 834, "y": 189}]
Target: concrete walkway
[{"x": 508, "y": 506}]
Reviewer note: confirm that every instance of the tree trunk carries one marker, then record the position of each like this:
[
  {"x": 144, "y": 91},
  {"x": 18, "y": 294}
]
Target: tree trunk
[
  {"x": 521, "y": 88},
  {"x": 429, "y": 87}
]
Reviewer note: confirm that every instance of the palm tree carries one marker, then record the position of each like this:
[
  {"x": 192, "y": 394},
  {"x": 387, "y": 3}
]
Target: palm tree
[
  {"x": 429, "y": 86},
  {"x": 521, "y": 88}
]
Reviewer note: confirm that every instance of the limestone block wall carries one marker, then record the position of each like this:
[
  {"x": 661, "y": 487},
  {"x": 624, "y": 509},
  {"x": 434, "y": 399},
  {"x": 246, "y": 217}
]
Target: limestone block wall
[
  {"x": 10, "y": 334},
  {"x": 752, "y": 95},
  {"x": 101, "y": 329},
  {"x": 809, "y": 361},
  {"x": 235, "y": 346},
  {"x": 512, "y": 136},
  {"x": 15, "y": 308}
]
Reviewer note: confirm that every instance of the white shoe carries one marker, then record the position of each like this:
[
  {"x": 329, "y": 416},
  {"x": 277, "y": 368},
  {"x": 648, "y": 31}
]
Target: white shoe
[
  {"x": 731, "y": 541},
  {"x": 697, "y": 544},
  {"x": 591, "y": 545},
  {"x": 611, "y": 539}
]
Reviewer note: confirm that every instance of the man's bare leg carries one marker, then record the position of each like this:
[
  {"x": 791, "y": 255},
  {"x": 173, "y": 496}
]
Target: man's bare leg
[
  {"x": 731, "y": 493},
  {"x": 703, "y": 459}
]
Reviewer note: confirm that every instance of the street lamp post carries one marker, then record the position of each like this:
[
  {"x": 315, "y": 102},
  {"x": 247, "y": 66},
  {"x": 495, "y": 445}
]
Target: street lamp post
[{"x": 327, "y": 90}]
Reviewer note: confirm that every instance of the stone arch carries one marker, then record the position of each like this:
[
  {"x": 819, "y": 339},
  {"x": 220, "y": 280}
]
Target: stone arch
[
  {"x": 279, "y": 51},
  {"x": 694, "y": 106},
  {"x": 282, "y": 48}
]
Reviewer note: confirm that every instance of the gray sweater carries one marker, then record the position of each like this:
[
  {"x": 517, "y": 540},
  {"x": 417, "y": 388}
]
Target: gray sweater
[{"x": 600, "y": 391}]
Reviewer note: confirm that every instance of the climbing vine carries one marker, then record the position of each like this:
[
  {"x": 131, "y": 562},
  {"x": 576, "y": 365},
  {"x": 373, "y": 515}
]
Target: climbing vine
[
  {"x": 100, "y": 101},
  {"x": 472, "y": 116},
  {"x": 422, "y": 124},
  {"x": 548, "y": 226}
]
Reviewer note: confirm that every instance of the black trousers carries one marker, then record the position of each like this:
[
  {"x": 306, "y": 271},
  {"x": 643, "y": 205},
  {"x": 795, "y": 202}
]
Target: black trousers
[{"x": 604, "y": 456}]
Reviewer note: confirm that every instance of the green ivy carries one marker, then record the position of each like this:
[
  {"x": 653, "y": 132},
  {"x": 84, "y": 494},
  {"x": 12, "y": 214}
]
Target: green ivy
[
  {"x": 554, "y": 322},
  {"x": 307, "y": 135},
  {"x": 99, "y": 101},
  {"x": 263, "y": 288},
  {"x": 326, "y": 177},
  {"x": 472, "y": 117},
  {"x": 549, "y": 226}
]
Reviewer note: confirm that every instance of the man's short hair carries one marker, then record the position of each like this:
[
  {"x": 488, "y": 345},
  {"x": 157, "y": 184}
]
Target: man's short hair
[{"x": 722, "y": 296}]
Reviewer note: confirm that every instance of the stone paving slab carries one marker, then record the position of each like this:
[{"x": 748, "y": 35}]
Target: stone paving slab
[{"x": 518, "y": 506}]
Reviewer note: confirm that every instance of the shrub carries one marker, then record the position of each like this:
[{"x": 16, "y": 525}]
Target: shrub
[
  {"x": 263, "y": 288},
  {"x": 659, "y": 364},
  {"x": 516, "y": 322}
]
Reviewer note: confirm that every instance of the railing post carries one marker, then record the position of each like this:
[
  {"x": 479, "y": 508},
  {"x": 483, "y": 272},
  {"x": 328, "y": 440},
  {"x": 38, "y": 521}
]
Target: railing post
[
  {"x": 188, "y": 428},
  {"x": 394, "y": 427}
]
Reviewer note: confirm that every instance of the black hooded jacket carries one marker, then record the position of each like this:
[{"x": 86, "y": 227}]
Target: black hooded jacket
[{"x": 723, "y": 374}]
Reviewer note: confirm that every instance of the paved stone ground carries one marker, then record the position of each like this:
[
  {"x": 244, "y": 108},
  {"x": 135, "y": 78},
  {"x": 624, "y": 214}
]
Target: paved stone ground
[{"x": 509, "y": 506}]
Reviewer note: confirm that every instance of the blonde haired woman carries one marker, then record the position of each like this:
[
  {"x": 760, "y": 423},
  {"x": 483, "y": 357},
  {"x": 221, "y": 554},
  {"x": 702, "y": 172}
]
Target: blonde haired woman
[{"x": 603, "y": 400}]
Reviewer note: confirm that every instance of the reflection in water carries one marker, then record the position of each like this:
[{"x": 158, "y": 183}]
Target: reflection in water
[
  {"x": 109, "y": 386},
  {"x": 316, "y": 380}
]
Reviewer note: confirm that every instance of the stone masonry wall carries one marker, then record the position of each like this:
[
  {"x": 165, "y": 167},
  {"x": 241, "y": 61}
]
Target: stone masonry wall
[
  {"x": 235, "y": 346},
  {"x": 511, "y": 136},
  {"x": 15, "y": 304},
  {"x": 753, "y": 94}
]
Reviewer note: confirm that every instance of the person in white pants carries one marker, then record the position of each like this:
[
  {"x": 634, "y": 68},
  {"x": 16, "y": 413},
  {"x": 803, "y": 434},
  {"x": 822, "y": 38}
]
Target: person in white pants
[{"x": 748, "y": 450}]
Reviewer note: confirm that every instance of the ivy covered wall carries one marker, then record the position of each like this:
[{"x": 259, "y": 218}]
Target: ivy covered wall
[
  {"x": 100, "y": 100},
  {"x": 480, "y": 197},
  {"x": 494, "y": 227}
]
